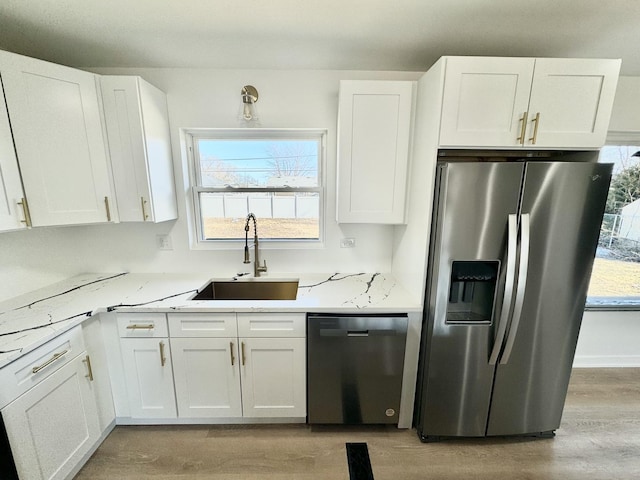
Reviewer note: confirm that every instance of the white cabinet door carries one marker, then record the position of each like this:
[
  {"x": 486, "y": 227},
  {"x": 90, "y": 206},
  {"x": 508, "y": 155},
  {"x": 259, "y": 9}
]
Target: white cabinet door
[
  {"x": 571, "y": 102},
  {"x": 53, "y": 425},
  {"x": 149, "y": 377},
  {"x": 485, "y": 100},
  {"x": 98, "y": 364},
  {"x": 140, "y": 149},
  {"x": 505, "y": 102},
  {"x": 207, "y": 377},
  {"x": 374, "y": 131},
  {"x": 273, "y": 377},
  {"x": 12, "y": 216},
  {"x": 57, "y": 129}
]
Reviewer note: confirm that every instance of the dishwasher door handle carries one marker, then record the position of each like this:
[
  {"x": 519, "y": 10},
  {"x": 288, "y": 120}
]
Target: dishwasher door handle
[
  {"x": 341, "y": 332},
  {"x": 357, "y": 333}
]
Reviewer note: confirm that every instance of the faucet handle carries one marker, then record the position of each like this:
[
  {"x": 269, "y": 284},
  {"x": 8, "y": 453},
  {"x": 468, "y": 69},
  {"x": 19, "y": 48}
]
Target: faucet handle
[{"x": 263, "y": 267}]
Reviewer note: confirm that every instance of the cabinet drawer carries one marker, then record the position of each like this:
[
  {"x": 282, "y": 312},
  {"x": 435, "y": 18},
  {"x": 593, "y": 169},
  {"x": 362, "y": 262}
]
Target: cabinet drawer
[
  {"x": 271, "y": 325},
  {"x": 142, "y": 325},
  {"x": 203, "y": 324},
  {"x": 27, "y": 371}
]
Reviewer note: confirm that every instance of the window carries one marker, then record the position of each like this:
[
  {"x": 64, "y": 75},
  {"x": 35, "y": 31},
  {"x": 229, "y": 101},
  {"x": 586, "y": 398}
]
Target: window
[
  {"x": 615, "y": 281},
  {"x": 274, "y": 174}
]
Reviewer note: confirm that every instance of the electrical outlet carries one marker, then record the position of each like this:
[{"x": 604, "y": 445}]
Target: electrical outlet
[
  {"x": 348, "y": 242},
  {"x": 164, "y": 242}
]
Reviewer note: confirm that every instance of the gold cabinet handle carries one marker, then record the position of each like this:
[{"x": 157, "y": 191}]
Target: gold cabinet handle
[
  {"x": 144, "y": 210},
  {"x": 523, "y": 128},
  {"x": 89, "y": 374},
  {"x": 106, "y": 206},
  {"x": 536, "y": 120},
  {"x": 25, "y": 211},
  {"x": 233, "y": 359},
  {"x": 138, "y": 326},
  {"x": 163, "y": 359},
  {"x": 55, "y": 357},
  {"x": 243, "y": 357}
]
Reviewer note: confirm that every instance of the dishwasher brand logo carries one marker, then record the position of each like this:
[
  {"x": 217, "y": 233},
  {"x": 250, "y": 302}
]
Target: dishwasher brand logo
[{"x": 390, "y": 412}]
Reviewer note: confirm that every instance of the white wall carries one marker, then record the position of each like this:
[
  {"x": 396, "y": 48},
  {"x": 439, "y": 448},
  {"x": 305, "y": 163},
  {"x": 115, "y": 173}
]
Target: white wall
[
  {"x": 609, "y": 339},
  {"x": 206, "y": 98},
  {"x": 626, "y": 112}
]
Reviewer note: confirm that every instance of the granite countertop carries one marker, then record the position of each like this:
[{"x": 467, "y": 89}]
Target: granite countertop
[{"x": 30, "y": 320}]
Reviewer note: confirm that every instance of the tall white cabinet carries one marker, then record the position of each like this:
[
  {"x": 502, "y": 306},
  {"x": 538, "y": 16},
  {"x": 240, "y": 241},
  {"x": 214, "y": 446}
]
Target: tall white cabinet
[
  {"x": 57, "y": 130},
  {"x": 140, "y": 149},
  {"x": 501, "y": 102}
]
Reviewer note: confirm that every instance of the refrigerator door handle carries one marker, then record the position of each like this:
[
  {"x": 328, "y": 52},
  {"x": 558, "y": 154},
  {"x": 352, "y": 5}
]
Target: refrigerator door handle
[
  {"x": 522, "y": 285},
  {"x": 512, "y": 245}
]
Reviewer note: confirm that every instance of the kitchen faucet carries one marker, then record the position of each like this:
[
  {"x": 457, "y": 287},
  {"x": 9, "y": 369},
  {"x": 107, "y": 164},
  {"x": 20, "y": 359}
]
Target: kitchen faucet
[{"x": 257, "y": 268}]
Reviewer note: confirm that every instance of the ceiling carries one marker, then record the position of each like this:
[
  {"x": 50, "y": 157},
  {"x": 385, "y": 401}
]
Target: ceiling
[{"x": 408, "y": 35}]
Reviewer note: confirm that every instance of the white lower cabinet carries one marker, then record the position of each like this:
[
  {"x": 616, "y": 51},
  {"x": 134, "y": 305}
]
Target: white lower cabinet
[
  {"x": 53, "y": 425},
  {"x": 273, "y": 377},
  {"x": 261, "y": 373},
  {"x": 149, "y": 377},
  {"x": 207, "y": 377},
  {"x": 222, "y": 365}
]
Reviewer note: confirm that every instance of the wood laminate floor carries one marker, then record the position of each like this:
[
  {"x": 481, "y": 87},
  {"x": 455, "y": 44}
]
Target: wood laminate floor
[{"x": 599, "y": 439}]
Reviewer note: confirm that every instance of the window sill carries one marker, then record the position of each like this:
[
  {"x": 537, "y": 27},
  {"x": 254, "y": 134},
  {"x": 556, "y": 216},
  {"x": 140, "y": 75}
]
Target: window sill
[
  {"x": 612, "y": 304},
  {"x": 264, "y": 245}
]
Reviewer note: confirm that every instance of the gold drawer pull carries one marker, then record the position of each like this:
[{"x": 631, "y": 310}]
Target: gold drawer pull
[
  {"x": 523, "y": 128},
  {"x": 25, "y": 211},
  {"x": 243, "y": 357},
  {"x": 55, "y": 357},
  {"x": 144, "y": 210},
  {"x": 106, "y": 206},
  {"x": 89, "y": 374},
  {"x": 536, "y": 120},
  {"x": 233, "y": 359},
  {"x": 163, "y": 359},
  {"x": 137, "y": 326}
]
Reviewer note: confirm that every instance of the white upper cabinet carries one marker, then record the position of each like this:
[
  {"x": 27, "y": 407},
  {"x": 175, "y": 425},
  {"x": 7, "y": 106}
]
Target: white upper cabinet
[
  {"x": 374, "y": 132},
  {"x": 140, "y": 149},
  {"x": 571, "y": 102},
  {"x": 57, "y": 130},
  {"x": 13, "y": 213},
  {"x": 484, "y": 99},
  {"x": 527, "y": 102}
]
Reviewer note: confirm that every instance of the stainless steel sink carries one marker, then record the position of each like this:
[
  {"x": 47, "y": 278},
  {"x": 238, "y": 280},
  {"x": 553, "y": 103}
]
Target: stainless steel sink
[{"x": 249, "y": 289}]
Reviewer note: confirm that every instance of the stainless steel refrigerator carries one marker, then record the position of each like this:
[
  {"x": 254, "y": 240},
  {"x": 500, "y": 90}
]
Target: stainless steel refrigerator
[{"x": 512, "y": 248}]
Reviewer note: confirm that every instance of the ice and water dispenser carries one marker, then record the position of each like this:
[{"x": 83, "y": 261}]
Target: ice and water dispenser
[{"x": 472, "y": 291}]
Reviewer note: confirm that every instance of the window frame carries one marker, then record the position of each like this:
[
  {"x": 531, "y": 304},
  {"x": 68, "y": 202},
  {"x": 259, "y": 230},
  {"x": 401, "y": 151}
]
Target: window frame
[
  {"x": 621, "y": 303},
  {"x": 191, "y": 136}
]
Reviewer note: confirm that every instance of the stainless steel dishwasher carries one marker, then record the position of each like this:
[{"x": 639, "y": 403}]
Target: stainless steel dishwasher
[{"x": 354, "y": 368}]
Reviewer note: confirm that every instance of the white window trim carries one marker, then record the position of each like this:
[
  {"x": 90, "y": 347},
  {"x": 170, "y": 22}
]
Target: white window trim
[
  {"x": 192, "y": 189},
  {"x": 616, "y": 303}
]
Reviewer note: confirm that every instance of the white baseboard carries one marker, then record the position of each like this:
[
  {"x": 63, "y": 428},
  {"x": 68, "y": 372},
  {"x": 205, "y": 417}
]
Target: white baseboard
[{"x": 606, "y": 361}]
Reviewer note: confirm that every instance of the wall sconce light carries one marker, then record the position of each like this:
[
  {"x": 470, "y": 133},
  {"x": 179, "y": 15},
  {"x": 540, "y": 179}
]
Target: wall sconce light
[{"x": 248, "y": 114}]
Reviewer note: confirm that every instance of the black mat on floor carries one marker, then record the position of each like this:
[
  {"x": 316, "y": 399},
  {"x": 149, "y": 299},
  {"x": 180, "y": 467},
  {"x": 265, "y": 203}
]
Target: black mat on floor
[{"x": 359, "y": 463}]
